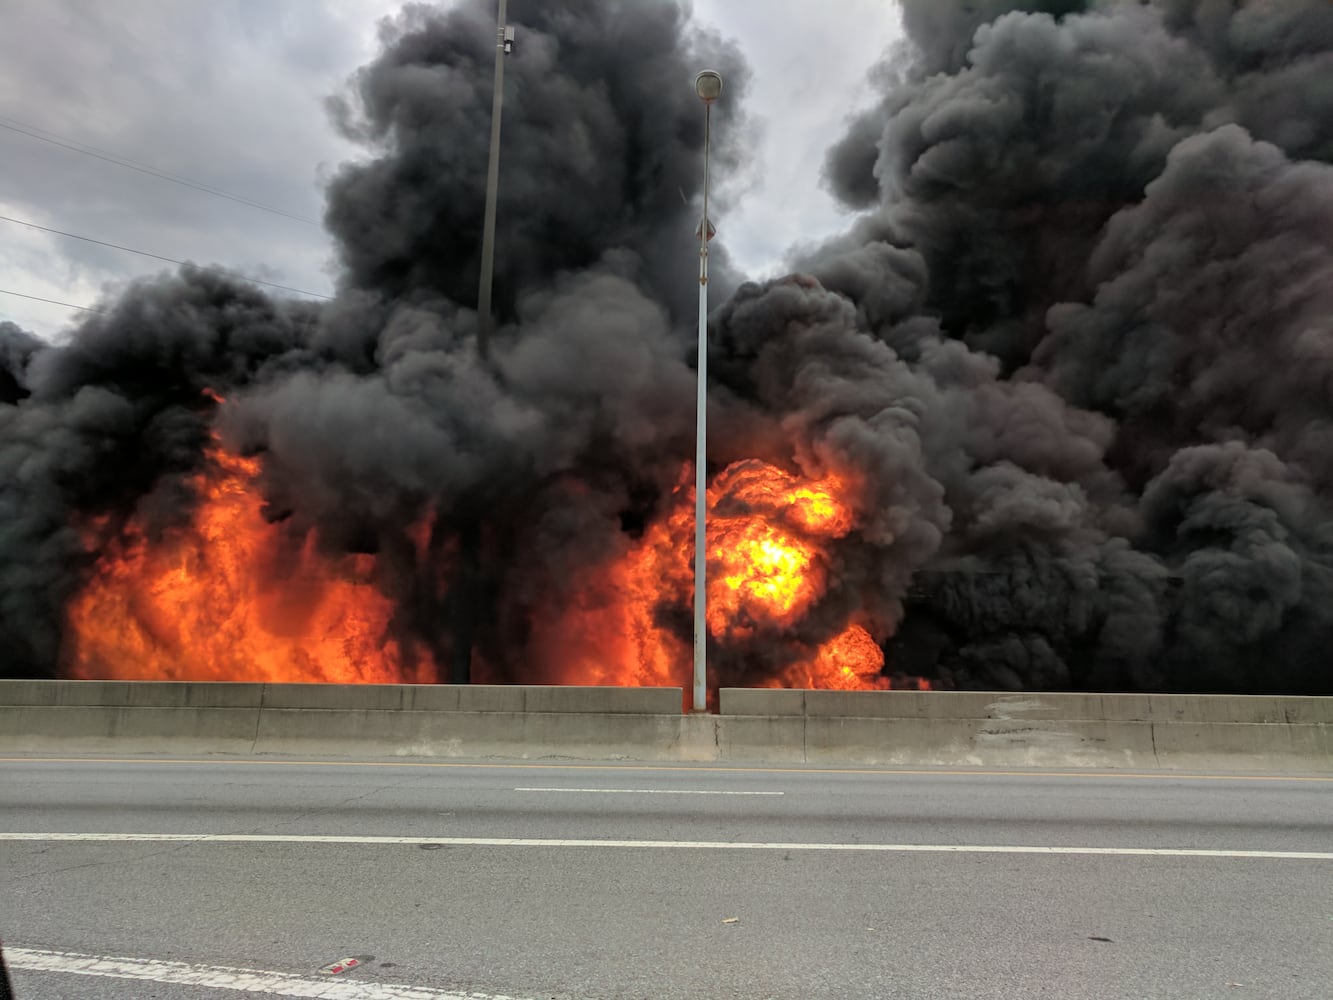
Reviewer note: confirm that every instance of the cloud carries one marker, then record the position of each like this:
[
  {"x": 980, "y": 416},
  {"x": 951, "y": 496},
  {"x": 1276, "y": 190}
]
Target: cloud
[{"x": 242, "y": 113}]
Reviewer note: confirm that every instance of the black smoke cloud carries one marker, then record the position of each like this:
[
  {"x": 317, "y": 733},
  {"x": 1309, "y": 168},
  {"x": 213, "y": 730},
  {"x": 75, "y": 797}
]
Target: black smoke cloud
[
  {"x": 17, "y": 347},
  {"x": 1074, "y": 350},
  {"x": 603, "y": 151},
  {"x": 1126, "y": 207}
]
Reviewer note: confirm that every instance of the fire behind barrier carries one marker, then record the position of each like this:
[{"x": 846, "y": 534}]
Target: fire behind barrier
[{"x": 1061, "y": 389}]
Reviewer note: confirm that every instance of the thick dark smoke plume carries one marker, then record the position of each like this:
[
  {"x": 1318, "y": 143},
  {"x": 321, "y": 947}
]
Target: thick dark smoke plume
[
  {"x": 604, "y": 151},
  {"x": 1076, "y": 352},
  {"x": 1127, "y": 207},
  {"x": 16, "y": 349}
]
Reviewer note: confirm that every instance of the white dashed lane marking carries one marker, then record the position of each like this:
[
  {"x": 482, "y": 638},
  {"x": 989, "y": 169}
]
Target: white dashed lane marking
[{"x": 641, "y": 791}]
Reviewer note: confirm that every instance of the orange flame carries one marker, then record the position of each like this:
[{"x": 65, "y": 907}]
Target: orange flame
[
  {"x": 850, "y": 661},
  {"x": 763, "y": 533},
  {"x": 232, "y": 597},
  {"x": 768, "y": 533}
]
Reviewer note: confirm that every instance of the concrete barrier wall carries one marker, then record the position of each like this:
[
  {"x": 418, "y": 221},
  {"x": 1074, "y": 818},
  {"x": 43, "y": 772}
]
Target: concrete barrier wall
[
  {"x": 128, "y": 716},
  {"x": 968, "y": 728},
  {"x": 893, "y": 728},
  {"x": 371, "y": 720}
]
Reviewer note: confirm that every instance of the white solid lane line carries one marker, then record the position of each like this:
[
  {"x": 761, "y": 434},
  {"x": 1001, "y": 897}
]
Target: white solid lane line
[
  {"x": 641, "y": 791},
  {"x": 687, "y": 845},
  {"x": 869, "y": 772},
  {"x": 218, "y": 977}
]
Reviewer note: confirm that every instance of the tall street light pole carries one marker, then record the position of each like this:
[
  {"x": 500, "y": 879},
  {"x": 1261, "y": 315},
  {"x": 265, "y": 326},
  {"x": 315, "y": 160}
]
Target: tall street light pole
[
  {"x": 708, "y": 85},
  {"x": 504, "y": 43},
  {"x": 469, "y": 532}
]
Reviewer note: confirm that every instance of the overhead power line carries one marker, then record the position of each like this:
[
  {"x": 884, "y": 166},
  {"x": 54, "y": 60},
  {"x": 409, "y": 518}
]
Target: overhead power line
[
  {"x": 42, "y": 135},
  {"x": 169, "y": 260},
  {"x": 54, "y": 302},
  {"x": 86, "y": 146}
]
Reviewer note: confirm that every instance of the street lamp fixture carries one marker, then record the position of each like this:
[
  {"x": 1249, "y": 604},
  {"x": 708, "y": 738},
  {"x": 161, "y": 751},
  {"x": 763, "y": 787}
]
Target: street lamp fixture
[{"x": 708, "y": 85}]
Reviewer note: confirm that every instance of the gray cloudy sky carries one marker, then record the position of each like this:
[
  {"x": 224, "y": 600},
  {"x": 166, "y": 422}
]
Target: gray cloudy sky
[{"x": 228, "y": 94}]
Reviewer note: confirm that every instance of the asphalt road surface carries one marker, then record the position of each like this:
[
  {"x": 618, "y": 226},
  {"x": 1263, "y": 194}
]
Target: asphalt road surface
[{"x": 155, "y": 878}]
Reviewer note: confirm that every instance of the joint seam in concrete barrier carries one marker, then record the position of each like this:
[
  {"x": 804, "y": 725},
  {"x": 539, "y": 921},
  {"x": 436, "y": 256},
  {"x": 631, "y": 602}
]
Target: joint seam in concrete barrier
[
  {"x": 805, "y": 738},
  {"x": 259, "y": 716}
]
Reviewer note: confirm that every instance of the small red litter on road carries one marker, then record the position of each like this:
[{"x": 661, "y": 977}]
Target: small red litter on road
[{"x": 345, "y": 965}]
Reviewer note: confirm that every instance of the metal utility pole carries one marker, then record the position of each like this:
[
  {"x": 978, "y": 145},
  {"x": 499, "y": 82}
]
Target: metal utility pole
[
  {"x": 504, "y": 43},
  {"x": 468, "y": 577},
  {"x": 708, "y": 85}
]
